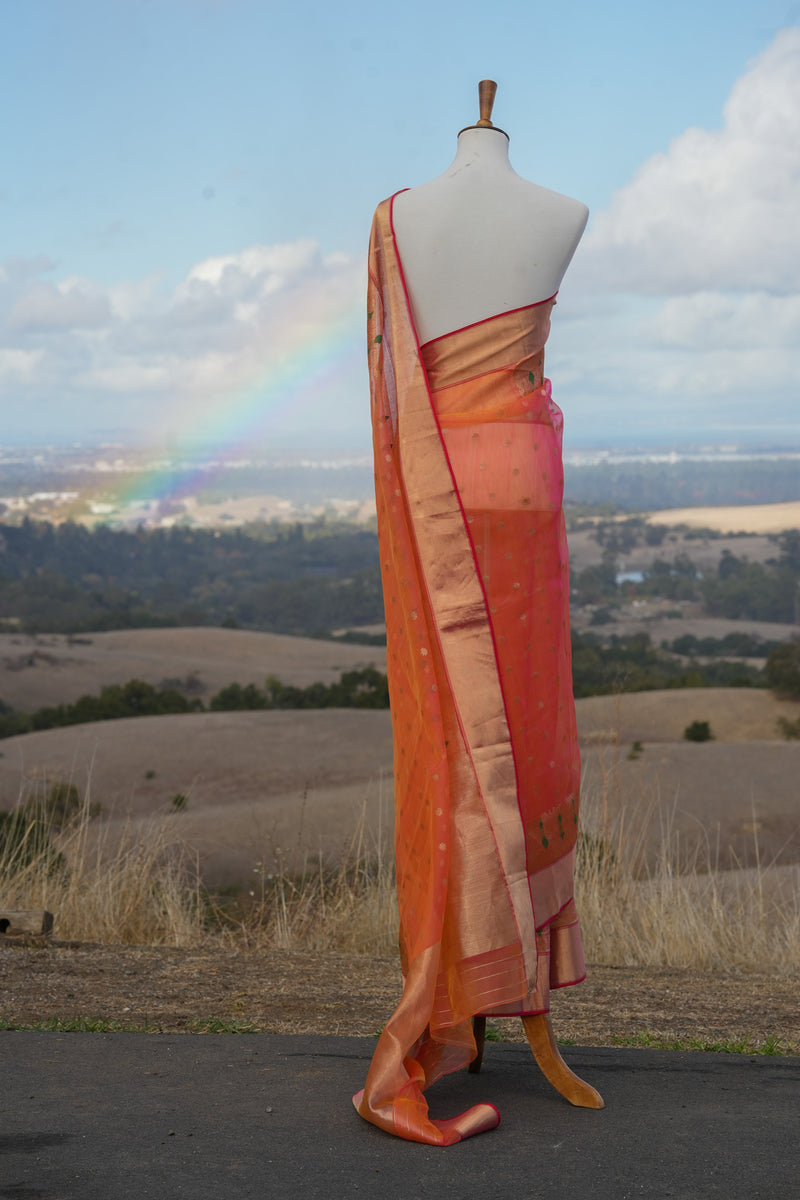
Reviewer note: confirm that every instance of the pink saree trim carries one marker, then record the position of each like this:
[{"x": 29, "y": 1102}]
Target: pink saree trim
[{"x": 508, "y": 312}]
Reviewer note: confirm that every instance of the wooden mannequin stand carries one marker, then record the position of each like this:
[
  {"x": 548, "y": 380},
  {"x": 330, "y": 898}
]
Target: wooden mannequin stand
[{"x": 539, "y": 1033}]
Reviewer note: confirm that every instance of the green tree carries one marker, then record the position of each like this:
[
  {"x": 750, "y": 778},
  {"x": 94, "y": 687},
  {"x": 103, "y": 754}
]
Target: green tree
[
  {"x": 235, "y": 698},
  {"x": 783, "y": 669}
]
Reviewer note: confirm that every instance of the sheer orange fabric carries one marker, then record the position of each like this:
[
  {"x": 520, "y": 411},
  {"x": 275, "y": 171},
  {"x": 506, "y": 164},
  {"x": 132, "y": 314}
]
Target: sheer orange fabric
[{"x": 469, "y": 489}]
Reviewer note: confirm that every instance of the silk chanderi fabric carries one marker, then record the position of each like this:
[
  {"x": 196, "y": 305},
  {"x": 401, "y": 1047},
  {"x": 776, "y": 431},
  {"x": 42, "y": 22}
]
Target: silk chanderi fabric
[{"x": 469, "y": 484}]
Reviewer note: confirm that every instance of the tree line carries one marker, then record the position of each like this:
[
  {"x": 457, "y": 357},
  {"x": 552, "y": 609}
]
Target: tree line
[
  {"x": 365, "y": 688},
  {"x": 300, "y": 579},
  {"x": 627, "y": 664},
  {"x": 309, "y": 580}
]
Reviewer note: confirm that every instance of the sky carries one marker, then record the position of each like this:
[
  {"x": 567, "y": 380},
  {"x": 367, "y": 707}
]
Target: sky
[{"x": 187, "y": 186}]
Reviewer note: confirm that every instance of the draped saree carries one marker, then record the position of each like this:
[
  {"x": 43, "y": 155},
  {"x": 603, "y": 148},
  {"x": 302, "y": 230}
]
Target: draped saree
[{"x": 469, "y": 485}]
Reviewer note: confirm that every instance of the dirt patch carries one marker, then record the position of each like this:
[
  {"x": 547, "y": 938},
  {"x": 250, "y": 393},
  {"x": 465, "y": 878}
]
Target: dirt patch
[{"x": 278, "y": 991}]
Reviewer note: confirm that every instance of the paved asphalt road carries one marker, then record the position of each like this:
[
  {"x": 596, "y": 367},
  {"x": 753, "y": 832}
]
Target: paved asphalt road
[{"x": 133, "y": 1116}]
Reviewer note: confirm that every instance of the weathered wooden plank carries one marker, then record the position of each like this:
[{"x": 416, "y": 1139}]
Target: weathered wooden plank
[{"x": 34, "y": 921}]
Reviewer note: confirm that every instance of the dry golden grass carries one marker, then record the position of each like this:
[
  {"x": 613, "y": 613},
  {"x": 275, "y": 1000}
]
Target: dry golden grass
[
  {"x": 244, "y": 774},
  {"x": 146, "y": 891},
  {"x": 747, "y": 518},
  {"x": 351, "y": 909},
  {"x": 139, "y": 890},
  {"x": 735, "y": 715},
  {"x": 672, "y": 915}
]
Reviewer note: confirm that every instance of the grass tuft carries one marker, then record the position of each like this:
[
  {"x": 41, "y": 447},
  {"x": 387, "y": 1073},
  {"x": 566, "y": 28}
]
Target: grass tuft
[
  {"x": 669, "y": 909},
  {"x": 769, "y": 1045},
  {"x": 75, "y": 1025},
  {"x": 137, "y": 888},
  {"x": 223, "y": 1025}
]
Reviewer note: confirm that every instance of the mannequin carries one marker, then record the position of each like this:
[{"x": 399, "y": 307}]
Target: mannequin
[
  {"x": 463, "y": 273},
  {"x": 480, "y": 240},
  {"x": 477, "y": 241}
]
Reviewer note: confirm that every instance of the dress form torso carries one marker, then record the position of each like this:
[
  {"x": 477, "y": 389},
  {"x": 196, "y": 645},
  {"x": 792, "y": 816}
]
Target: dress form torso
[{"x": 479, "y": 240}]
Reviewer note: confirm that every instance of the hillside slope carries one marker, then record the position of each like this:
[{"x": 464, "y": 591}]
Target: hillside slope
[{"x": 299, "y": 781}]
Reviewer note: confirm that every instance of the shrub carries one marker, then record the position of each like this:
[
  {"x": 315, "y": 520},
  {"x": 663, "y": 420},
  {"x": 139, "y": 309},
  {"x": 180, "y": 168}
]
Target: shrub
[
  {"x": 602, "y": 616},
  {"x": 790, "y": 730},
  {"x": 783, "y": 669},
  {"x": 698, "y": 731}
]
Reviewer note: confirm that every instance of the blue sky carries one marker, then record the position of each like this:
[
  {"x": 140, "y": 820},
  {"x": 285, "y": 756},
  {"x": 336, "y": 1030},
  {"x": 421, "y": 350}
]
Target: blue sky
[{"x": 186, "y": 190}]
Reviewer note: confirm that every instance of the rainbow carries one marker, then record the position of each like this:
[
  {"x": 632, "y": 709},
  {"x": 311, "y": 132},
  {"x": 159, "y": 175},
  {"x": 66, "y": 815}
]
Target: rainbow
[{"x": 294, "y": 369}]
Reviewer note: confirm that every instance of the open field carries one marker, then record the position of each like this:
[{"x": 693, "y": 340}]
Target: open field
[
  {"x": 723, "y": 805},
  {"x": 746, "y": 518},
  {"x": 256, "y": 782},
  {"x": 735, "y": 715},
  {"x": 650, "y": 617},
  {"x": 56, "y": 668},
  {"x": 299, "y": 781}
]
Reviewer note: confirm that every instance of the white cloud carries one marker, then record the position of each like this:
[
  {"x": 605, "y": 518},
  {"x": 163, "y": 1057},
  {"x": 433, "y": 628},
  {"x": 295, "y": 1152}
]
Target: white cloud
[
  {"x": 16, "y": 268},
  {"x": 645, "y": 367},
  {"x": 719, "y": 210},
  {"x": 68, "y": 305},
  {"x": 19, "y": 364},
  {"x": 687, "y": 288},
  {"x": 270, "y": 265},
  {"x": 126, "y": 377},
  {"x": 155, "y": 357},
  {"x": 132, "y": 298},
  {"x": 727, "y": 321}
]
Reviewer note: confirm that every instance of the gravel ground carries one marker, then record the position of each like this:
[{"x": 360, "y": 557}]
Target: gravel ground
[{"x": 292, "y": 992}]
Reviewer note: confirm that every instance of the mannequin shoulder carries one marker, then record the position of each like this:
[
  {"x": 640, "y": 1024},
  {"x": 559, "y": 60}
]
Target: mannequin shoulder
[
  {"x": 477, "y": 199},
  {"x": 542, "y": 206}
]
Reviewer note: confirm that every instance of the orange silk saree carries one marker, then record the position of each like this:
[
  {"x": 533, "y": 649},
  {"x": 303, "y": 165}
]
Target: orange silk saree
[{"x": 469, "y": 485}]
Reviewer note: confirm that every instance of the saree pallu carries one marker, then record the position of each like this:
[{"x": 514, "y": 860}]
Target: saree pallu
[{"x": 469, "y": 486}]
